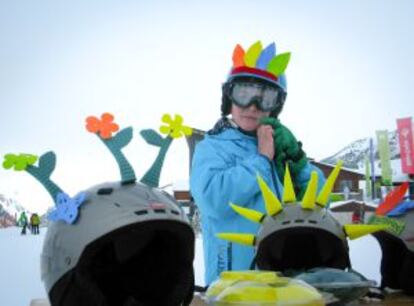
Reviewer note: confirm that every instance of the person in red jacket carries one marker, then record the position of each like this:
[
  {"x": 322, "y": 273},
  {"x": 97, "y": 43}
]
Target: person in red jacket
[{"x": 356, "y": 216}]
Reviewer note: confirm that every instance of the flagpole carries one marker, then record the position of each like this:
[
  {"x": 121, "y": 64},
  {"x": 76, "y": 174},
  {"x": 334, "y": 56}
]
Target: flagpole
[{"x": 371, "y": 156}]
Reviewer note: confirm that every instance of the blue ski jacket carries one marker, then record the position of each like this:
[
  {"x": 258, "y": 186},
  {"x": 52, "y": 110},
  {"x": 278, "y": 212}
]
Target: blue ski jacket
[{"x": 224, "y": 169}]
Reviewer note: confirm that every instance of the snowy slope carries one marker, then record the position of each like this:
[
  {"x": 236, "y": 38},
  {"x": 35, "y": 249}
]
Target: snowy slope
[
  {"x": 354, "y": 154},
  {"x": 20, "y": 267},
  {"x": 10, "y": 210},
  {"x": 11, "y": 206}
]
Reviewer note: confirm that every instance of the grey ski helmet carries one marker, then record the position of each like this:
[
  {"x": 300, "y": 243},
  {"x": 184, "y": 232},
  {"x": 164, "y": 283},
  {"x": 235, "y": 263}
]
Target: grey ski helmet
[
  {"x": 260, "y": 65},
  {"x": 117, "y": 243},
  {"x": 397, "y": 241},
  {"x": 298, "y": 236}
]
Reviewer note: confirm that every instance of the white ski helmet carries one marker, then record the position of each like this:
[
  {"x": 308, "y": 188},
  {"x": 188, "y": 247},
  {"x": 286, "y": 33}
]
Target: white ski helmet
[
  {"x": 299, "y": 236},
  {"x": 119, "y": 243}
]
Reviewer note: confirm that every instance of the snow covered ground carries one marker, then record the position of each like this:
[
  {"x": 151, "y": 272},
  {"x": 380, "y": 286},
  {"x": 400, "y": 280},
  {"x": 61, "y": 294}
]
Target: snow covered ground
[
  {"x": 20, "y": 264},
  {"x": 20, "y": 267}
]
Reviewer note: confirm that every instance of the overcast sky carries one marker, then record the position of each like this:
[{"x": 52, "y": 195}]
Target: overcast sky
[{"x": 351, "y": 73}]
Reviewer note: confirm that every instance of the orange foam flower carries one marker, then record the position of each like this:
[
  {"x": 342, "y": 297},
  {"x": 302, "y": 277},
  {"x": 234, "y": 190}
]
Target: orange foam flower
[{"x": 104, "y": 126}]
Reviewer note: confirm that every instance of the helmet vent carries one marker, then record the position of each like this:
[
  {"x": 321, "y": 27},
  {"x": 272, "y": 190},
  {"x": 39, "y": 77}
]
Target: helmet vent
[
  {"x": 117, "y": 204},
  {"x": 286, "y": 222},
  {"x": 159, "y": 211},
  {"x": 175, "y": 212},
  {"x": 312, "y": 221},
  {"x": 105, "y": 191},
  {"x": 141, "y": 212},
  {"x": 67, "y": 261},
  {"x": 299, "y": 221}
]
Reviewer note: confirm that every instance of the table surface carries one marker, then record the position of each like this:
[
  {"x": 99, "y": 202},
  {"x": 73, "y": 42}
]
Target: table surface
[{"x": 395, "y": 299}]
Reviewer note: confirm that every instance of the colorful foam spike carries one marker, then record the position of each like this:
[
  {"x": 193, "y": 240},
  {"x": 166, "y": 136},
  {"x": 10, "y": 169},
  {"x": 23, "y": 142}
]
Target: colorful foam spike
[
  {"x": 249, "y": 214},
  {"x": 289, "y": 195},
  {"x": 354, "y": 231},
  {"x": 252, "y": 54},
  {"x": 393, "y": 198},
  {"x": 245, "y": 239},
  {"x": 308, "y": 201},
  {"x": 278, "y": 64},
  {"x": 238, "y": 56},
  {"x": 323, "y": 196},
  {"x": 401, "y": 209},
  {"x": 272, "y": 203},
  {"x": 267, "y": 54}
]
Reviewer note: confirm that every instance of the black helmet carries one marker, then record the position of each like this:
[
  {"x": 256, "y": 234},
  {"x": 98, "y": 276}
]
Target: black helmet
[{"x": 397, "y": 243}]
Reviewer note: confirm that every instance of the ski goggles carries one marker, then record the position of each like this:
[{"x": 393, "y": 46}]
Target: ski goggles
[{"x": 267, "y": 98}]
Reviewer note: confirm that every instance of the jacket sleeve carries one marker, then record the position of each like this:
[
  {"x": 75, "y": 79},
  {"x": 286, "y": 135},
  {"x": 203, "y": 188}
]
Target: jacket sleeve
[{"x": 217, "y": 179}]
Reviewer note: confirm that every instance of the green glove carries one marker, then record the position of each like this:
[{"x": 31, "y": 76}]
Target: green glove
[{"x": 287, "y": 149}]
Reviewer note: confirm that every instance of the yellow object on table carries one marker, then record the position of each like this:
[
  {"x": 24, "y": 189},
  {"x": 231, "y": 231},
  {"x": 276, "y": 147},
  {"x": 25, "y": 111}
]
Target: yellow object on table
[{"x": 261, "y": 288}]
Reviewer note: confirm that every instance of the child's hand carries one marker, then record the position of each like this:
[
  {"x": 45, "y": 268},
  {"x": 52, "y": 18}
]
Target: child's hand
[
  {"x": 287, "y": 148},
  {"x": 265, "y": 141}
]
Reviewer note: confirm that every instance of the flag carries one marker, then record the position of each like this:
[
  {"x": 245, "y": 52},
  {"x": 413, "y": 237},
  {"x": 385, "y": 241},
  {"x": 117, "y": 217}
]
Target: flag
[
  {"x": 405, "y": 132},
  {"x": 384, "y": 153}
]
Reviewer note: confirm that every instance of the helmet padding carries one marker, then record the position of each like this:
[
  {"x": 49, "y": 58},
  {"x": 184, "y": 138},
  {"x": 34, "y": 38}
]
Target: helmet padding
[
  {"x": 301, "y": 248},
  {"x": 148, "y": 263}
]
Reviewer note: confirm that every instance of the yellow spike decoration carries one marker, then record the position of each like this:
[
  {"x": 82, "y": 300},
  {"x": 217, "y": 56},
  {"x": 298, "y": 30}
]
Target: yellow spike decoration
[
  {"x": 272, "y": 203},
  {"x": 308, "y": 201},
  {"x": 249, "y": 214},
  {"x": 289, "y": 195},
  {"x": 245, "y": 239},
  {"x": 323, "y": 197},
  {"x": 354, "y": 231}
]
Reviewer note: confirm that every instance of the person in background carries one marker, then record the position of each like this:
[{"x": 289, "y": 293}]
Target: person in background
[
  {"x": 23, "y": 222},
  {"x": 34, "y": 223},
  {"x": 247, "y": 140}
]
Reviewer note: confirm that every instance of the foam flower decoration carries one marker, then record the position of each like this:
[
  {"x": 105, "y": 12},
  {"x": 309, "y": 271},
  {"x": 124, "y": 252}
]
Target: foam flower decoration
[
  {"x": 18, "y": 162},
  {"x": 67, "y": 209},
  {"x": 104, "y": 126},
  {"x": 175, "y": 127}
]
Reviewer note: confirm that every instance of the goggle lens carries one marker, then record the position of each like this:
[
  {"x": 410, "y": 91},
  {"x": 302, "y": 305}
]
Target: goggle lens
[{"x": 265, "y": 97}]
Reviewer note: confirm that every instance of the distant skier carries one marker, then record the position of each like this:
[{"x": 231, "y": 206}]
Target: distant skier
[
  {"x": 34, "y": 223},
  {"x": 23, "y": 222}
]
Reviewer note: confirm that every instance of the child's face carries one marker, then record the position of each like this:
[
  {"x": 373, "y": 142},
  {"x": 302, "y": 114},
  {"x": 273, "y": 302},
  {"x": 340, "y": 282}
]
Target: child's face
[{"x": 247, "y": 118}]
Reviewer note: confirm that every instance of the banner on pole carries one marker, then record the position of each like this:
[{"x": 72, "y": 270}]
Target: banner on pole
[
  {"x": 405, "y": 133},
  {"x": 384, "y": 153}
]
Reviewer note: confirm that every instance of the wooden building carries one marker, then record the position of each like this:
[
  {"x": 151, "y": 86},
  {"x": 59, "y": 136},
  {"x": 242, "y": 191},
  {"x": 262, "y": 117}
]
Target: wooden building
[
  {"x": 347, "y": 177},
  {"x": 343, "y": 210}
]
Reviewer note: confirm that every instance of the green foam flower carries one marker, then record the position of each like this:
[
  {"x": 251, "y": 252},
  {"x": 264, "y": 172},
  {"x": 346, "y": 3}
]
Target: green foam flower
[
  {"x": 174, "y": 127},
  {"x": 18, "y": 162}
]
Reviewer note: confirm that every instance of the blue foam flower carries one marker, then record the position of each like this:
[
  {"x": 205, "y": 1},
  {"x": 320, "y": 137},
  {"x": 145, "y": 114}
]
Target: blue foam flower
[{"x": 67, "y": 209}]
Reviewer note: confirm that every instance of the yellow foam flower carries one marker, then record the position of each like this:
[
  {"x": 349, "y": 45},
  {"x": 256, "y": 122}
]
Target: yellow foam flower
[{"x": 174, "y": 127}]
